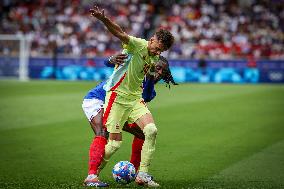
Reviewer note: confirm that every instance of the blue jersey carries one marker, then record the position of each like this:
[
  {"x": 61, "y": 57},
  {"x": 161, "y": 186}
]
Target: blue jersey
[
  {"x": 149, "y": 92},
  {"x": 98, "y": 92}
]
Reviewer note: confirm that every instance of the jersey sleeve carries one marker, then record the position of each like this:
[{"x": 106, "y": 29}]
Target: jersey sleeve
[{"x": 135, "y": 44}]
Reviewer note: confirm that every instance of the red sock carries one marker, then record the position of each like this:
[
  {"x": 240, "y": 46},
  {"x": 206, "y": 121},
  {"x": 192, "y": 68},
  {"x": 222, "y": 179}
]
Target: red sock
[
  {"x": 136, "y": 152},
  {"x": 96, "y": 153}
]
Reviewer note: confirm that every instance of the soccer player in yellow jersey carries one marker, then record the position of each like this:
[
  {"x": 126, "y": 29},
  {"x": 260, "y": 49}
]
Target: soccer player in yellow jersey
[{"x": 124, "y": 102}]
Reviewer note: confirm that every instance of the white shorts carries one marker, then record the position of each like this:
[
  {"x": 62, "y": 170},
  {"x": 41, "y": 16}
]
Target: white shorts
[{"x": 92, "y": 107}]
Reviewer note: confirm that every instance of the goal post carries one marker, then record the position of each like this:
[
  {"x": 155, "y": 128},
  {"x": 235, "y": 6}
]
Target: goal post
[{"x": 22, "y": 53}]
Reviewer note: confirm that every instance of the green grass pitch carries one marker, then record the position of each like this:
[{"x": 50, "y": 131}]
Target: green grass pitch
[{"x": 210, "y": 136}]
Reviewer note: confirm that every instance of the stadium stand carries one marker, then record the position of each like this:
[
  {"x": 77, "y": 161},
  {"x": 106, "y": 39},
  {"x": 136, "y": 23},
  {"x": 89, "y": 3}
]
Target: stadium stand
[{"x": 211, "y": 29}]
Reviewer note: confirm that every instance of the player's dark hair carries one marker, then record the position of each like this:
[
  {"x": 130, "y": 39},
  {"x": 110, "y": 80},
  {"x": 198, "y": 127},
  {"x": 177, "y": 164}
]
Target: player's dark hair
[
  {"x": 167, "y": 78},
  {"x": 165, "y": 37}
]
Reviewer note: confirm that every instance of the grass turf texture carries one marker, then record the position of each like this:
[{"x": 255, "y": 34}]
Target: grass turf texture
[{"x": 210, "y": 136}]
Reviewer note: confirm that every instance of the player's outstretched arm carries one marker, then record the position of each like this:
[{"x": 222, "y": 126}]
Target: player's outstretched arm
[{"x": 111, "y": 26}]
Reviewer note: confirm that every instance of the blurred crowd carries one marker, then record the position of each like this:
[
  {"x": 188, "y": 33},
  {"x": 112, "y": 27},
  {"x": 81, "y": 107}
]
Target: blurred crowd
[
  {"x": 222, "y": 29},
  {"x": 207, "y": 29}
]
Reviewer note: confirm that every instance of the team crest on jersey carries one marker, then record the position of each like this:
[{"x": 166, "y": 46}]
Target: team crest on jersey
[{"x": 117, "y": 127}]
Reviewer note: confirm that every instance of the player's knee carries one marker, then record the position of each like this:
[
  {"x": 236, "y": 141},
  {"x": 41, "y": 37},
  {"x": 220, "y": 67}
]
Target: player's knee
[
  {"x": 102, "y": 133},
  {"x": 98, "y": 128},
  {"x": 150, "y": 130}
]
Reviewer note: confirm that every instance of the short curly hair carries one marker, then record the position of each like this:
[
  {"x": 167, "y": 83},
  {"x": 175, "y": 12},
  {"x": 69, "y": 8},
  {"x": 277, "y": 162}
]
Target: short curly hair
[{"x": 165, "y": 37}]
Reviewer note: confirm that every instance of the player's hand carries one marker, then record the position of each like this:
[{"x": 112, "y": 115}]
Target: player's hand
[
  {"x": 97, "y": 13},
  {"x": 118, "y": 59}
]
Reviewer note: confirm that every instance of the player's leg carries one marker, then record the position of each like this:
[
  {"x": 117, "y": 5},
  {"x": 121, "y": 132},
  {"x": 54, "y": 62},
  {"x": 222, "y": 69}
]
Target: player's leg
[
  {"x": 94, "y": 112},
  {"x": 137, "y": 143},
  {"x": 97, "y": 148},
  {"x": 143, "y": 118},
  {"x": 135, "y": 157},
  {"x": 114, "y": 143},
  {"x": 115, "y": 116},
  {"x": 146, "y": 123}
]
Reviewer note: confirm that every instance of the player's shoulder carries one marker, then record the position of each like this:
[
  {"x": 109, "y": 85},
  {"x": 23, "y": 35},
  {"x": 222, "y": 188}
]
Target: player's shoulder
[
  {"x": 136, "y": 41},
  {"x": 135, "y": 44}
]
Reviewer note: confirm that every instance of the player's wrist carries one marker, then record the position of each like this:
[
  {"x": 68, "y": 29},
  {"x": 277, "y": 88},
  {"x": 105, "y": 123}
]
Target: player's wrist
[{"x": 104, "y": 19}]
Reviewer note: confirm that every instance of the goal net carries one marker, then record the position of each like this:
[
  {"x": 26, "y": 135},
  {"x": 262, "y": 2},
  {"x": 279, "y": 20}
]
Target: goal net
[{"x": 14, "y": 56}]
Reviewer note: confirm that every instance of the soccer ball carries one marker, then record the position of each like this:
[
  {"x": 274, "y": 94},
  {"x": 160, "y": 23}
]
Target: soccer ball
[{"x": 123, "y": 172}]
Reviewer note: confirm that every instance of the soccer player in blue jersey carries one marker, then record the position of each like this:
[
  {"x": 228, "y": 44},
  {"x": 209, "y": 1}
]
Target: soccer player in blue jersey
[{"x": 92, "y": 106}]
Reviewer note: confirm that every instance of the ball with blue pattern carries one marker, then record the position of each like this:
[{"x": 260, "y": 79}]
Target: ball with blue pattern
[{"x": 123, "y": 172}]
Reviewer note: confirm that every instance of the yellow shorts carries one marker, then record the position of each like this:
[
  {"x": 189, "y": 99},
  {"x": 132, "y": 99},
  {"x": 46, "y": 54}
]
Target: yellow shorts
[{"x": 118, "y": 110}]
